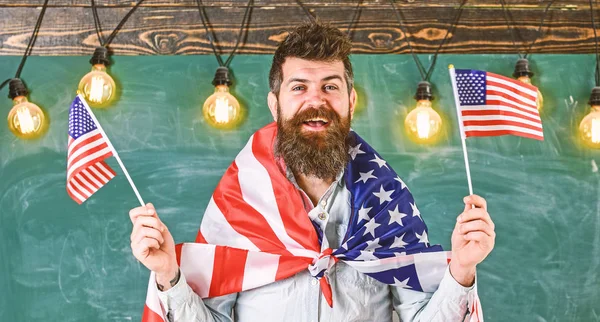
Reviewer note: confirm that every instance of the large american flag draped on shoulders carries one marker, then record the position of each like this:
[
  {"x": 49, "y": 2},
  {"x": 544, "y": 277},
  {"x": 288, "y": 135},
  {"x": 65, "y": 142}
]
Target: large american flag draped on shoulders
[
  {"x": 87, "y": 149},
  {"x": 256, "y": 231},
  {"x": 492, "y": 105}
]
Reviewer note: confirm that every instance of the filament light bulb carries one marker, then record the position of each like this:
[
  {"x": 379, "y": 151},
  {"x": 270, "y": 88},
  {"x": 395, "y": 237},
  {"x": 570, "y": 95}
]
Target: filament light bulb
[
  {"x": 97, "y": 87},
  {"x": 26, "y": 120},
  {"x": 423, "y": 123},
  {"x": 589, "y": 128},
  {"x": 222, "y": 110}
]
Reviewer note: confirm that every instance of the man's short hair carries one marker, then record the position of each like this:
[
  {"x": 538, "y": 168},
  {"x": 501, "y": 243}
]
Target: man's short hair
[{"x": 314, "y": 41}]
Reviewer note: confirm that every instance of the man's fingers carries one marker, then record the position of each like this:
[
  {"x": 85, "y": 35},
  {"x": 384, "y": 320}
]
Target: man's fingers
[
  {"x": 142, "y": 248},
  {"x": 478, "y": 236},
  {"x": 147, "y": 210},
  {"x": 476, "y": 214},
  {"x": 476, "y": 200},
  {"x": 476, "y": 225},
  {"x": 146, "y": 232},
  {"x": 146, "y": 221}
]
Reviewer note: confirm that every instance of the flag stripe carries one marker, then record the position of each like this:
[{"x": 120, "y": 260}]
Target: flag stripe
[
  {"x": 258, "y": 193},
  {"x": 228, "y": 271},
  {"x": 108, "y": 171},
  {"x": 516, "y": 87},
  {"x": 75, "y": 195},
  {"x": 496, "y": 100},
  {"x": 91, "y": 178},
  {"x": 88, "y": 185},
  {"x": 228, "y": 195},
  {"x": 504, "y": 132},
  {"x": 82, "y": 140},
  {"x": 196, "y": 263},
  {"x": 260, "y": 269},
  {"x": 295, "y": 227},
  {"x": 83, "y": 146},
  {"x": 509, "y": 95},
  {"x": 501, "y": 108},
  {"x": 88, "y": 160},
  {"x": 502, "y": 128},
  {"x": 80, "y": 186},
  {"x": 500, "y": 121},
  {"x": 485, "y": 112},
  {"x": 217, "y": 230}
]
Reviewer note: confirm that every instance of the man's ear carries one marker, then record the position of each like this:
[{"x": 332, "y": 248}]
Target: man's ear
[
  {"x": 272, "y": 102},
  {"x": 352, "y": 102}
]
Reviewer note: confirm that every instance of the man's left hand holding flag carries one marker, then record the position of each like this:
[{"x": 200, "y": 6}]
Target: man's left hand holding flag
[{"x": 153, "y": 245}]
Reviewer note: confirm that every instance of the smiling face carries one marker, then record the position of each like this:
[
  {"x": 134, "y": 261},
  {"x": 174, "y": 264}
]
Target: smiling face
[{"x": 313, "y": 110}]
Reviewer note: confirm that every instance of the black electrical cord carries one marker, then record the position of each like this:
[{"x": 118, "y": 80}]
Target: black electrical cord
[
  {"x": 355, "y": 18},
  {"x": 30, "y": 45},
  {"x": 110, "y": 38},
  {"x": 597, "y": 74},
  {"x": 211, "y": 35},
  {"x": 511, "y": 26},
  {"x": 308, "y": 13},
  {"x": 426, "y": 74}
]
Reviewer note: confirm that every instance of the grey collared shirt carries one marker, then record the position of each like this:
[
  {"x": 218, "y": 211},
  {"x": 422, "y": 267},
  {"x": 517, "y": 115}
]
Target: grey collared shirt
[{"x": 356, "y": 297}]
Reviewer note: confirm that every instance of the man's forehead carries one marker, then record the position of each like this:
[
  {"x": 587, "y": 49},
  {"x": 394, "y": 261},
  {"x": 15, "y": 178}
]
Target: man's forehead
[{"x": 309, "y": 69}]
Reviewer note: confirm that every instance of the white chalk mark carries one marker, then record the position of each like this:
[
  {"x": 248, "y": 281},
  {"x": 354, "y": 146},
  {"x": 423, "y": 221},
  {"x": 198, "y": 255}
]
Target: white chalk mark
[
  {"x": 594, "y": 166},
  {"x": 62, "y": 253}
]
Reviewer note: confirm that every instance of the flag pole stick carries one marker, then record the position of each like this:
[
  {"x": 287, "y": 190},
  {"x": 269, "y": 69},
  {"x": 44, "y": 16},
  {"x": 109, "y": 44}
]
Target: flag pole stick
[
  {"x": 460, "y": 125},
  {"x": 112, "y": 148}
]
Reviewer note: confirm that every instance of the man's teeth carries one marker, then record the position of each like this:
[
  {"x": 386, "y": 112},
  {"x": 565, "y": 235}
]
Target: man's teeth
[{"x": 317, "y": 120}]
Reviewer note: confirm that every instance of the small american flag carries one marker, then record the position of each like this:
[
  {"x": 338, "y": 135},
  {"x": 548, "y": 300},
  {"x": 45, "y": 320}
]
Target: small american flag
[
  {"x": 256, "y": 230},
  {"x": 493, "y": 105},
  {"x": 86, "y": 170}
]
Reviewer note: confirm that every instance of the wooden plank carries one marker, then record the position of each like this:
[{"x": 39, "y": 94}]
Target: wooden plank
[{"x": 69, "y": 30}]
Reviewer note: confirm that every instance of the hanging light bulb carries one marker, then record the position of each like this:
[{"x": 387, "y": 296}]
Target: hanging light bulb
[
  {"x": 524, "y": 74},
  {"x": 25, "y": 120},
  {"x": 97, "y": 86},
  {"x": 589, "y": 128},
  {"x": 423, "y": 124},
  {"x": 222, "y": 110}
]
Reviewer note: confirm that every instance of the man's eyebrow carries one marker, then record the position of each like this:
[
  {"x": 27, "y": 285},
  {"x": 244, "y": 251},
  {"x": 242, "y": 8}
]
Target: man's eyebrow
[
  {"x": 299, "y": 80},
  {"x": 328, "y": 78}
]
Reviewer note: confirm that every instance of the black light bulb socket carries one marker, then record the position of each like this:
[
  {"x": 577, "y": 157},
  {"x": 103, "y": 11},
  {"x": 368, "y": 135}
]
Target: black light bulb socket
[
  {"x": 100, "y": 56},
  {"x": 222, "y": 77},
  {"x": 522, "y": 68},
  {"x": 595, "y": 96},
  {"x": 16, "y": 87},
  {"x": 424, "y": 91}
]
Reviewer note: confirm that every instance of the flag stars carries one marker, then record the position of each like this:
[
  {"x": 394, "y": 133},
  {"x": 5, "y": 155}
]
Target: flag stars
[
  {"x": 366, "y": 256},
  {"x": 422, "y": 237},
  {"x": 372, "y": 245},
  {"x": 416, "y": 212},
  {"x": 383, "y": 195},
  {"x": 399, "y": 242},
  {"x": 370, "y": 227},
  {"x": 363, "y": 214},
  {"x": 364, "y": 176},
  {"x": 354, "y": 151},
  {"x": 396, "y": 216},
  {"x": 379, "y": 162},
  {"x": 403, "y": 284}
]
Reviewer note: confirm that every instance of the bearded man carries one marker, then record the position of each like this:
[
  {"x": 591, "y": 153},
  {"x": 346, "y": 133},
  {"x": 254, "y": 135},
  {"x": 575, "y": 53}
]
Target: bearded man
[{"x": 309, "y": 223}]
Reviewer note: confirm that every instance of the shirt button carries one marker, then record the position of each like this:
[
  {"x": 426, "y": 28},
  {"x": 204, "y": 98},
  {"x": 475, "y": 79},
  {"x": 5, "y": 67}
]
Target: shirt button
[
  {"x": 322, "y": 216},
  {"x": 323, "y": 203},
  {"x": 314, "y": 282}
]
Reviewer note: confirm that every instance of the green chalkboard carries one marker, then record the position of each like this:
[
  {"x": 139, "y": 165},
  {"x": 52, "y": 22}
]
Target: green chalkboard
[{"x": 63, "y": 262}]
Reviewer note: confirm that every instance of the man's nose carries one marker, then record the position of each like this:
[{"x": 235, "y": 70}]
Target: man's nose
[{"x": 315, "y": 98}]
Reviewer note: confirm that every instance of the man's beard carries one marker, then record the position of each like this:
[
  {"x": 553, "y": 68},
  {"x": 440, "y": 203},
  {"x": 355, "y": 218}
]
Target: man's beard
[{"x": 322, "y": 154}]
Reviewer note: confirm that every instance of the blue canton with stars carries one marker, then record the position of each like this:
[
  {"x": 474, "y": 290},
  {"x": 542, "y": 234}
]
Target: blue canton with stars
[
  {"x": 80, "y": 121},
  {"x": 471, "y": 85},
  {"x": 385, "y": 221}
]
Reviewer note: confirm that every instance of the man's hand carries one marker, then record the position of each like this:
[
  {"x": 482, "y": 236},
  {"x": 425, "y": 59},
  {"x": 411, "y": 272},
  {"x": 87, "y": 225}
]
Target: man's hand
[
  {"x": 153, "y": 245},
  {"x": 472, "y": 240}
]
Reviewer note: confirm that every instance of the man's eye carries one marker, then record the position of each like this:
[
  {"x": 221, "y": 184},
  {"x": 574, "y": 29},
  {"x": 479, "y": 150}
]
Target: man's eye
[
  {"x": 297, "y": 88},
  {"x": 330, "y": 87}
]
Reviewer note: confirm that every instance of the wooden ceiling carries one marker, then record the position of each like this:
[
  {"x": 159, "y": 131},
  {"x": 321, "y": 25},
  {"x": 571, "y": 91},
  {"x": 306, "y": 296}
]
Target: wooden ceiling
[{"x": 173, "y": 27}]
